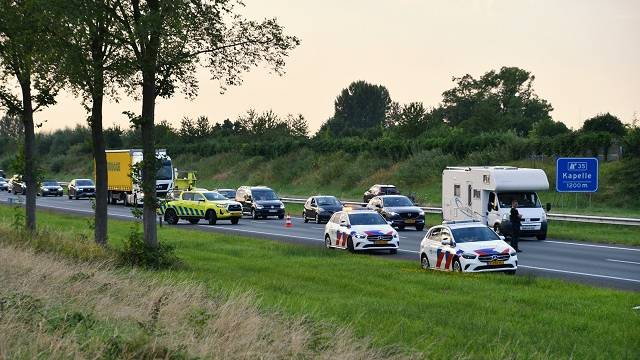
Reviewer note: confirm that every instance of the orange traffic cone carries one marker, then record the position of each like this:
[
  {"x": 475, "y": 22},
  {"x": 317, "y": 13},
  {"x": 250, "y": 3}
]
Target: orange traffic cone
[{"x": 287, "y": 221}]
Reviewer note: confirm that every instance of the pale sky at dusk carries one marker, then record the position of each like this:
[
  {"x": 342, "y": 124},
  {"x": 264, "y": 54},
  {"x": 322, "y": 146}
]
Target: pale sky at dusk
[{"x": 585, "y": 56}]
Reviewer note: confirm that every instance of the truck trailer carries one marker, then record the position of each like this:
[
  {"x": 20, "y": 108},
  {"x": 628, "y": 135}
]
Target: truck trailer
[
  {"x": 120, "y": 184},
  {"x": 485, "y": 193}
]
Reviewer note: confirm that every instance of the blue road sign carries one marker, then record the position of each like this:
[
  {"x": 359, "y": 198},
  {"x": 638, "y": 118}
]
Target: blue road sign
[{"x": 577, "y": 175}]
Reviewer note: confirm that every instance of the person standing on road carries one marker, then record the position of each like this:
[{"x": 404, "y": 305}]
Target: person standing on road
[{"x": 515, "y": 219}]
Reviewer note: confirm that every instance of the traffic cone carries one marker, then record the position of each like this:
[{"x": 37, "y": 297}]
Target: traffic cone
[{"x": 287, "y": 221}]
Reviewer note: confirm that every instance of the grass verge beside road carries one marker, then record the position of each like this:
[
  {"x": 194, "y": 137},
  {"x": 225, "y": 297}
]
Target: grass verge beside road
[{"x": 394, "y": 303}]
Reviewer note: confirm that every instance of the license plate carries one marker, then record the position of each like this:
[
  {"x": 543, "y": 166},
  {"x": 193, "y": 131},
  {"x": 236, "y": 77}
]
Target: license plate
[
  {"x": 410, "y": 221},
  {"x": 496, "y": 262},
  {"x": 273, "y": 211},
  {"x": 380, "y": 242},
  {"x": 528, "y": 227}
]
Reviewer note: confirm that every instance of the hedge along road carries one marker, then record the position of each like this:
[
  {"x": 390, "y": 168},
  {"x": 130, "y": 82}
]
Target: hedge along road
[{"x": 600, "y": 265}]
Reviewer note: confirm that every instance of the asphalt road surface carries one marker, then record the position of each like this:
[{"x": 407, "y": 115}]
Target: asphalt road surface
[{"x": 596, "y": 264}]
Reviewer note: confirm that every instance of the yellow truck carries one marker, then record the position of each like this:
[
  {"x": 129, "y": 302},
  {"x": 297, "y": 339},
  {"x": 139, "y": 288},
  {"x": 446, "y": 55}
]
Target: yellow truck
[{"x": 120, "y": 184}]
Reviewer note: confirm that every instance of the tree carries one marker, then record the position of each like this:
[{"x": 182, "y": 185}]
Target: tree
[
  {"x": 11, "y": 127},
  {"x": 360, "y": 110},
  {"x": 93, "y": 64},
  {"x": 25, "y": 64},
  {"x": 169, "y": 40},
  {"x": 497, "y": 101},
  {"x": 548, "y": 128},
  {"x": 297, "y": 125},
  {"x": 605, "y": 123}
]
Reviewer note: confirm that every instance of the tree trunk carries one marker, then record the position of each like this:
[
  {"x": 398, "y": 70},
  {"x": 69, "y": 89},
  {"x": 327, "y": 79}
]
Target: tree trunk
[
  {"x": 149, "y": 160},
  {"x": 100, "y": 157},
  {"x": 29, "y": 176}
]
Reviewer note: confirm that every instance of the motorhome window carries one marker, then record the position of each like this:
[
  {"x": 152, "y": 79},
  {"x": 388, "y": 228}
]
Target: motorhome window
[
  {"x": 524, "y": 199},
  {"x": 476, "y": 194},
  {"x": 367, "y": 219},
  {"x": 165, "y": 172},
  {"x": 262, "y": 195},
  {"x": 397, "y": 201},
  {"x": 456, "y": 190},
  {"x": 486, "y": 179},
  {"x": 473, "y": 234}
]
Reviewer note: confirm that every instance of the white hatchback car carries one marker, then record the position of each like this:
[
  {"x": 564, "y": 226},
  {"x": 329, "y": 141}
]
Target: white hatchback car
[
  {"x": 360, "y": 230},
  {"x": 468, "y": 246}
]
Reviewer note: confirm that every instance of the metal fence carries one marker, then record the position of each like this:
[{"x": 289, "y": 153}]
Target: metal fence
[{"x": 551, "y": 216}]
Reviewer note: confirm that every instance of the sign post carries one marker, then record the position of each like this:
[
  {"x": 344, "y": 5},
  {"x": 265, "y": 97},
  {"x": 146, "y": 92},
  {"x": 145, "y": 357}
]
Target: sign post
[{"x": 577, "y": 175}]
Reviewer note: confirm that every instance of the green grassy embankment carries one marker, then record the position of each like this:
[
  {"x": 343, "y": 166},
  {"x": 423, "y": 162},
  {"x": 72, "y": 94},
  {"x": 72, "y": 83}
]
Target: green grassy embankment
[{"x": 393, "y": 303}]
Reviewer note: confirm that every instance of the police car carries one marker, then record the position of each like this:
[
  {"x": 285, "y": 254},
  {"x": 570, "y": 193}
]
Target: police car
[
  {"x": 360, "y": 230},
  {"x": 466, "y": 246},
  {"x": 201, "y": 204}
]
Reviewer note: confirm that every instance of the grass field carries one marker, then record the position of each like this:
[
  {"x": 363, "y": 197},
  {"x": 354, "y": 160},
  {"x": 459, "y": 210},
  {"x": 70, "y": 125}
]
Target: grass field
[{"x": 396, "y": 305}]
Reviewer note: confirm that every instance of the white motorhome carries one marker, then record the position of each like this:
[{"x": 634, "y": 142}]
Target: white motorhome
[{"x": 485, "y": 193}]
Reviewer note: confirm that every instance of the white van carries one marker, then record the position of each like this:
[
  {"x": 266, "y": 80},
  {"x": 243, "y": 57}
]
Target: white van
[{"x": 485, "y": 193}]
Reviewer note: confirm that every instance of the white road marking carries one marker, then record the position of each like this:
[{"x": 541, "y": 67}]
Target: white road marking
[
  {"x": 624, "y": 261},
  {"x": 579, "y": 273},
  {"x": 592, "y": 245}
]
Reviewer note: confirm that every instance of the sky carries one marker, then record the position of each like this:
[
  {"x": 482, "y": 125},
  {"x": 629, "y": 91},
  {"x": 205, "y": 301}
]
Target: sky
[{"x": 585, "y": 56}]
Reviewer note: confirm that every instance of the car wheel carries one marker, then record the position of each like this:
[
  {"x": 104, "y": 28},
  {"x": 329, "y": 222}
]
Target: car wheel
[
  {"x": 77, "y": 197},
  {"x": 234, "y": 221},
  {"x": 400, "y": 227},
  {"x": 171, "y": 217},
  {"x": 419, "y": 227},
  {"x": 327, "y": 242},
  {"x": 304, "y": 217},
  {"x": 456, "y": 267},
  {"x": 393, "y": 251},
  {"x": 194, "y": 221},
  {"x": 496, "y": 228},
  {"x": 350, "y": 245},
  {"x": 211, "y": 216},
  {"x": 424, "y": 262},
  {"x": 317, "y": 219},
  {"x": 542, "y": 237},
  {"x": 69, "y": 197},
  {"x": 254, "y": 215}
]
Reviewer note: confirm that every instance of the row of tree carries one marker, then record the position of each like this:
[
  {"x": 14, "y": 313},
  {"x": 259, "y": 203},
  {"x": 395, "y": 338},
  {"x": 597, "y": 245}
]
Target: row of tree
[{"x": 106, "y": 48}]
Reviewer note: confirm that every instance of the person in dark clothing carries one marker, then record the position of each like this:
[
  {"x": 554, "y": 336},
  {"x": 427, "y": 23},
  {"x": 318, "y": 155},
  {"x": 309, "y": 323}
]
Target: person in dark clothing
[{"x": 515, "y": 219}]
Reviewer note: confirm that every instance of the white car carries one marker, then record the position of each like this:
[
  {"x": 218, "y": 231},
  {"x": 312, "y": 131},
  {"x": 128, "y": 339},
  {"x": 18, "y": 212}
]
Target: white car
[
  {"x": 466, "y": 246},
  {"x": 4, "y": 185},
  {"x": 360, "y": 231}
]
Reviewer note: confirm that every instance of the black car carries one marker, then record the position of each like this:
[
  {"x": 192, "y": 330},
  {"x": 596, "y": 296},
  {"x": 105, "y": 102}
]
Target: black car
[
  {"x": 79, "y": 188},
  {"x": 50, "y": 188},
  {"x": 399, "y": 211},
  {"x": 320, "y": 208},
  {"x": 377, "y": 190},
  {"x": 4, "y": 184},
  {"x": 260, "y": 202},
  {"x": 228, "y": 193}
]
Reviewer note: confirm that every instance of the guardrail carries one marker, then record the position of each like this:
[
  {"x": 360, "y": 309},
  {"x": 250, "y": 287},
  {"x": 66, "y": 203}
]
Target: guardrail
[{"x": 551, "y": 216}]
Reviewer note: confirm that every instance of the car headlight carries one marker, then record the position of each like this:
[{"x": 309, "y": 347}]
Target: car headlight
[
  {"x": 543, "y": 217},
  {"x": 320, "y": 210},
  {"x": 360, "y": 236},
  {"x": 469, "y": 256},
  {"x": 421, "y": 213},
  {"x": 505, "y": 217},
  {"x": 60, "y": 188},
  {"x": 281, "y": 206},
  {"x": 513, "y": 253},
  {"x": 395, "y": 235},
  {"x": 258, "y": 206},
  {"x": 392, "y": 213},
  {"x": 45, "y": 189}
]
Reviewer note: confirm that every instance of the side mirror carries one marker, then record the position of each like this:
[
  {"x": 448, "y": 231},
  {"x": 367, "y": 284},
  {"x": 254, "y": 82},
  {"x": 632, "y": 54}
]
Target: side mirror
[
  {"x": 548, "y": 207},
  {"x": 249, "y": 199},
  {"x": 344, "y": 224},
  {"x": 446, "y": 241},
  {"x": 379, "y": 206}
]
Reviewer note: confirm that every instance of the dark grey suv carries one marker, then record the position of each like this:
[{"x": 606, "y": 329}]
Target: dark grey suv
[{"x": 260, "y": 202}]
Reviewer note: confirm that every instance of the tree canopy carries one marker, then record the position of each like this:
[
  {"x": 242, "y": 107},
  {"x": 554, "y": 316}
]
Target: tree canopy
[{"x": 604, "y": 123}]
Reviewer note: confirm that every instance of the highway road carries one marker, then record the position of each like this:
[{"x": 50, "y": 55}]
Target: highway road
[{"x": 596, "y": 264}]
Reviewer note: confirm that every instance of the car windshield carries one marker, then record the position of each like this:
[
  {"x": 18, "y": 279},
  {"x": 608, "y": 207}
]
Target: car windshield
[
  {"x": 2, "y": 179},
  {"x": 228, "y": 193},
  {"x": 50, "y": 183},
  {"x": 165, "y": 172},
  {"x": 213, "y": 196},
  {"x": 524, "y": 199},
  {"x": 473, "y": 234},
  {"x": 327, "y": 201},
  {"x": 397, "y": 201},
  {"x": 389, "y": 190},
  {"x": 84, "y": 183},
  {"x": 262, "y": 195},
  {"x": 367, "y": 219}
]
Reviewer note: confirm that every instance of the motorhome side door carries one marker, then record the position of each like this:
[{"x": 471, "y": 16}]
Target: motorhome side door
[{"x": 493, "y": 210}]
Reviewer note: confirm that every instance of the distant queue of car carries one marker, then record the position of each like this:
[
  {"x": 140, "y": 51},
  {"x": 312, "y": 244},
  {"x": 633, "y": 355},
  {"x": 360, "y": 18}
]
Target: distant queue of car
[{"x": 76, "y": 189}]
